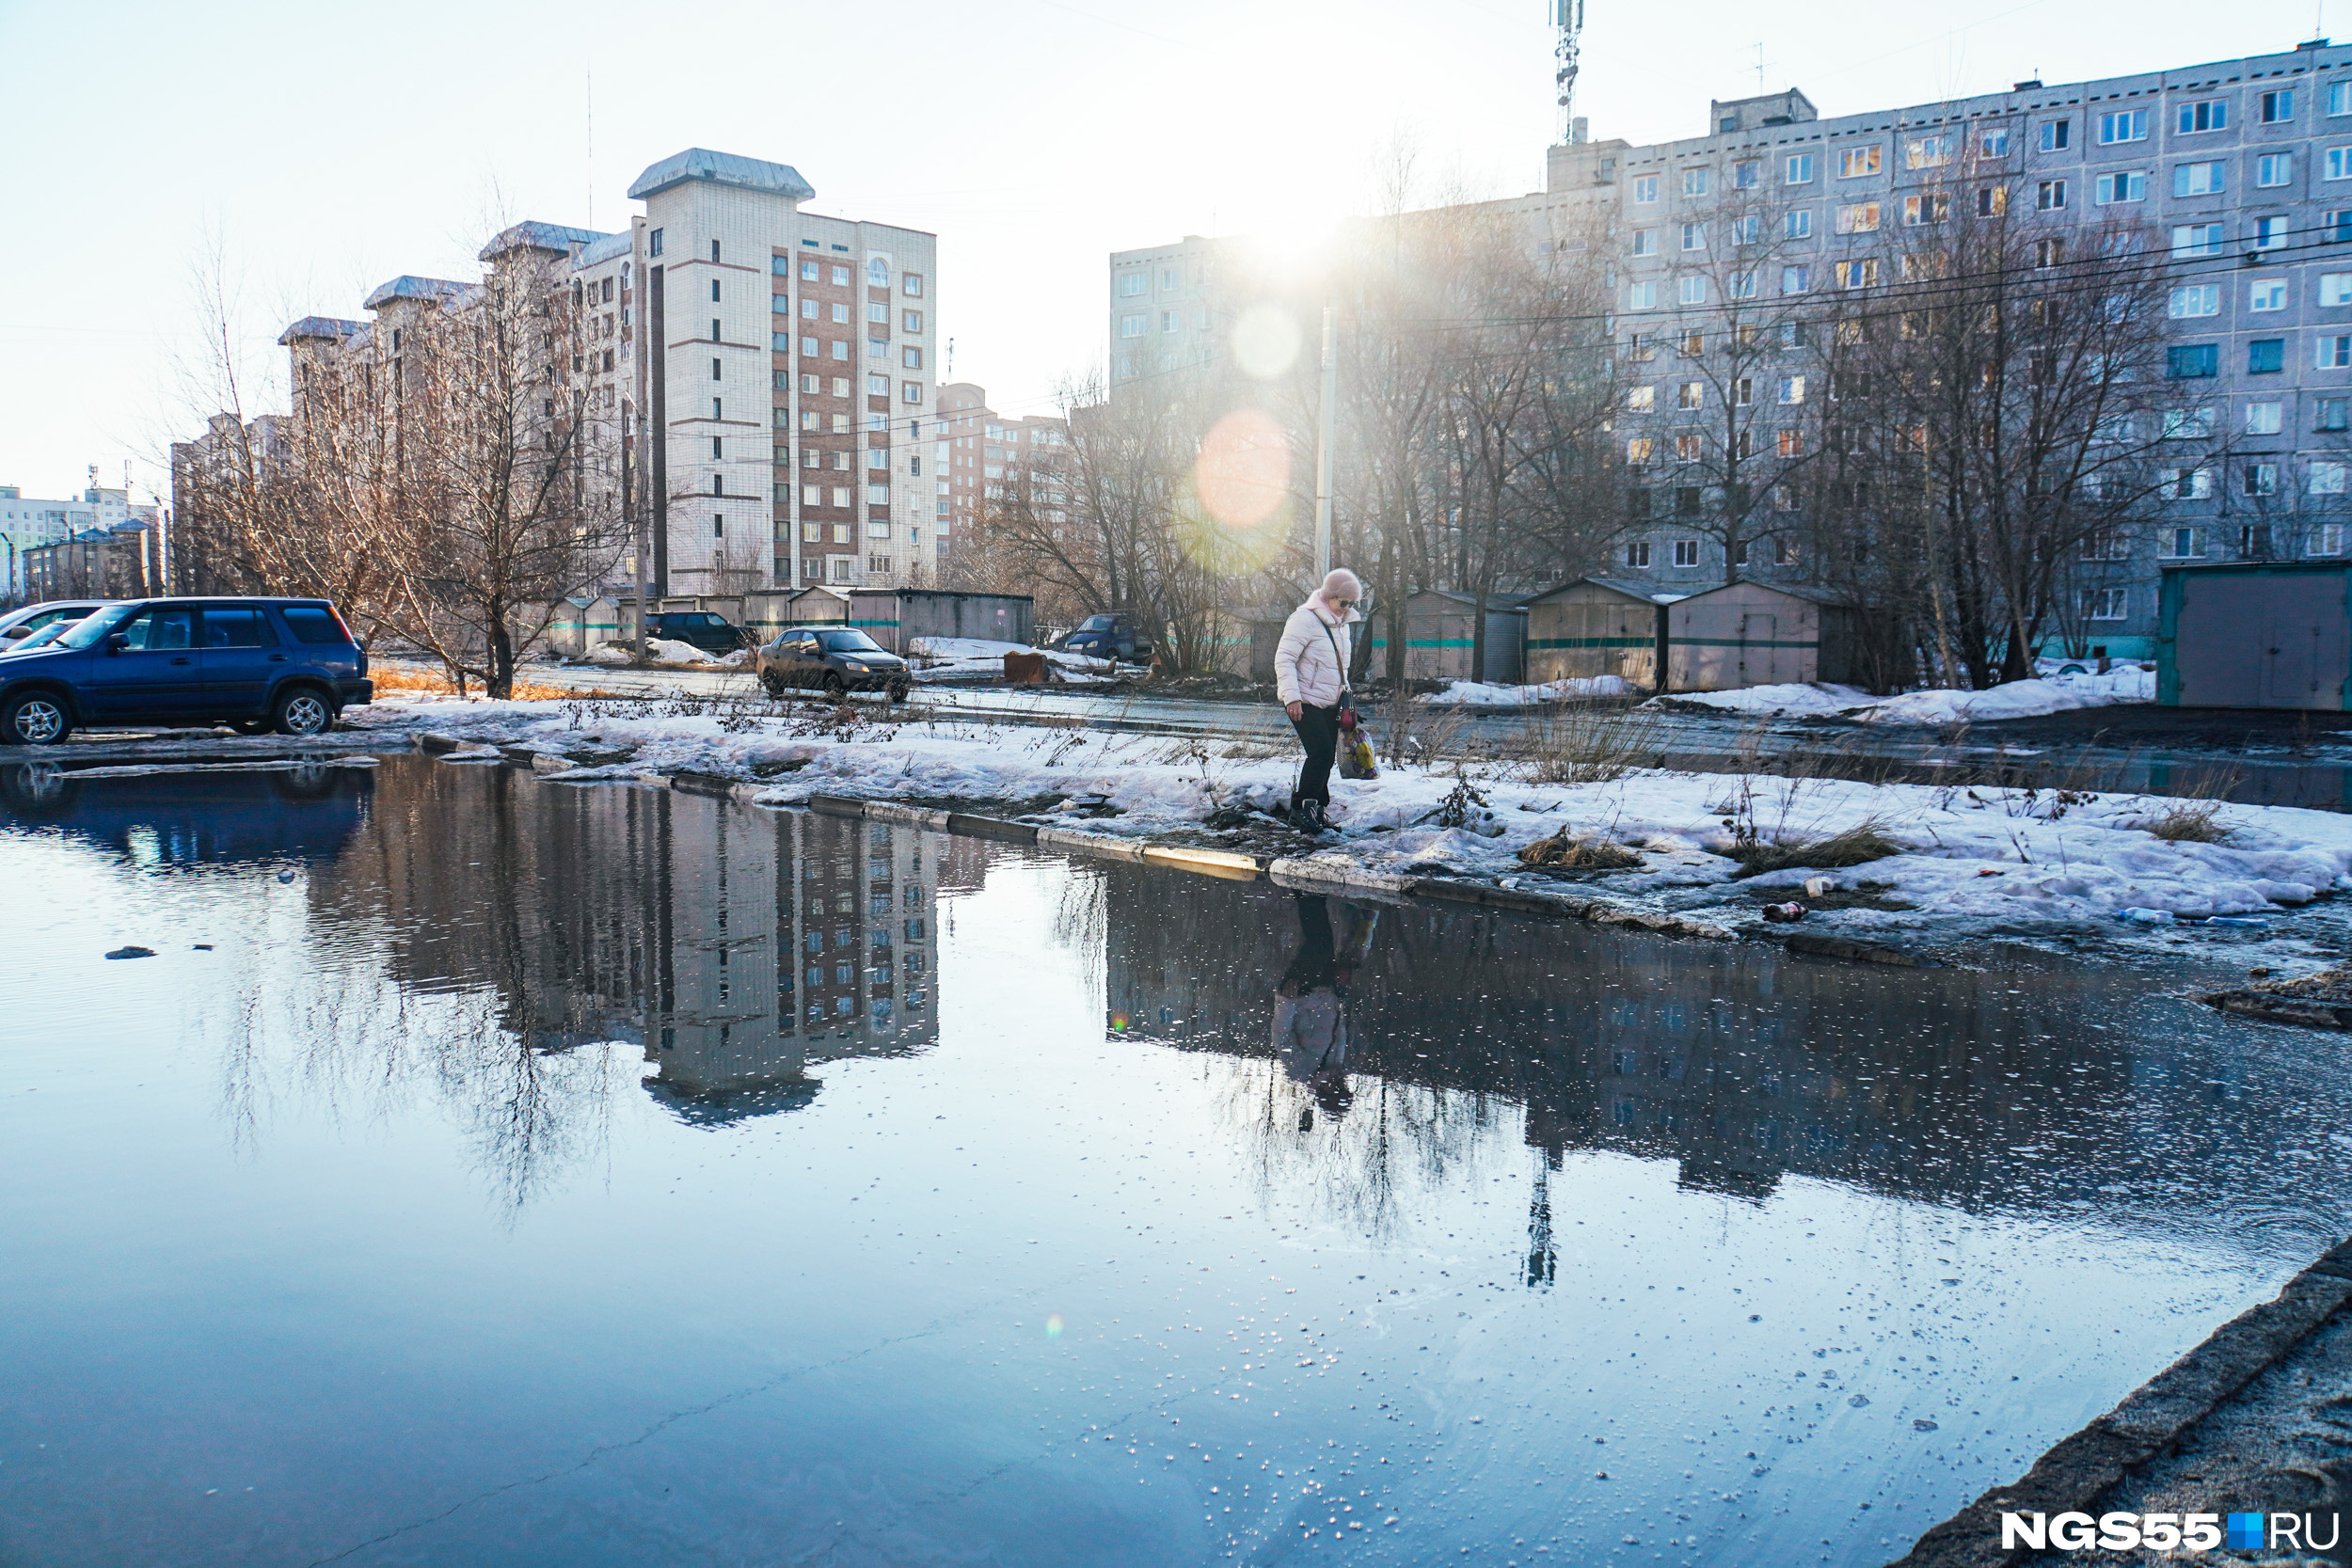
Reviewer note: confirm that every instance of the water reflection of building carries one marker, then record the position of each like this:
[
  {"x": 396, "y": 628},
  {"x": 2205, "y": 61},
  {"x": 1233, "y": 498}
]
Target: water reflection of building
[
  {"x": 739, "y": 947},
  {"x": 1741, "y": 1063}
]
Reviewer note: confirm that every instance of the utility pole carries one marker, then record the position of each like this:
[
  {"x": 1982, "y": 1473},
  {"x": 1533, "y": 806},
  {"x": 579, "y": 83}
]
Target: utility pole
[{"x": 1326, "y": 432}]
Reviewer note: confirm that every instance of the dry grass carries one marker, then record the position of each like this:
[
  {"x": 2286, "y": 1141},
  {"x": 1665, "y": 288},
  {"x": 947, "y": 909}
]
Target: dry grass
[
  {"x": 2190, "y": 822},
  {"x": 1586, "y": 743},
  {"x": 409, "y": 680},
  {"x": 1563, "y": 854},
  {"x": 1859, "y": 845}
]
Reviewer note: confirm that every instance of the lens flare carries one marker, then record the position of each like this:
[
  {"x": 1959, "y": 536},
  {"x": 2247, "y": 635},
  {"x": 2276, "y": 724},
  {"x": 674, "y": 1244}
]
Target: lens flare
[
  {"x": 1265, "y": 342},
  {"x": 1242, "y": 473},
  {"x": 1053, "y": 1327},
  {"x": 1118, "y": 1024}
]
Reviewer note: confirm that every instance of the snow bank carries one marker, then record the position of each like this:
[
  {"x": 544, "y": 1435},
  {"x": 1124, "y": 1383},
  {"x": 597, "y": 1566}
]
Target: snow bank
[
  {"x": 610, "y": 653},
  {"x": 667, "y": 650},
  {"x": 1970, "y": 861},
  {"x": 969, "y": 658},
  {"x": 2024, "y": 699},
  {"x": 1798, "y": 698},
  {"x": 1488, "y": 694}
]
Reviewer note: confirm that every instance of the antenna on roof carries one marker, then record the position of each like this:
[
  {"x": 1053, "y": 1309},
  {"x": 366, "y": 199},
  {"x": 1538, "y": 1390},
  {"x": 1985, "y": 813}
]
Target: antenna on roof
[{"x": 1569, "y": 15}]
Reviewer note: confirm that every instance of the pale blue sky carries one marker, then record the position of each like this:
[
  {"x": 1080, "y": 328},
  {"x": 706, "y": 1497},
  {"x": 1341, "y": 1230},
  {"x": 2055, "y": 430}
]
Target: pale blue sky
[{"x": 328, "y": 147}]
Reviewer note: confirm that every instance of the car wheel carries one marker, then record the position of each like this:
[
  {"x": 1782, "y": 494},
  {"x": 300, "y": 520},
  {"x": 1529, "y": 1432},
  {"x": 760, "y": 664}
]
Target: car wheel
[
  {"x": 835, "y": 687},
  {"x": 773, "y": 684},
  {"x": 303, "y": 710},
  {"x": 35, "y": 718},
  {"x": 249, "y": 726},
  {"x": 900, "y": 691}
]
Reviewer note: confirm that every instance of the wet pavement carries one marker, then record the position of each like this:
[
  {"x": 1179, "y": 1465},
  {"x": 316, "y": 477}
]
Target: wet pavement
[{"x": 485, "y": 1170}]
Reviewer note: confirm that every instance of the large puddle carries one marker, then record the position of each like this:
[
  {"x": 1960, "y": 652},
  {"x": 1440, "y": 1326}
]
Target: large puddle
[{"x": 523, "y": 1173}]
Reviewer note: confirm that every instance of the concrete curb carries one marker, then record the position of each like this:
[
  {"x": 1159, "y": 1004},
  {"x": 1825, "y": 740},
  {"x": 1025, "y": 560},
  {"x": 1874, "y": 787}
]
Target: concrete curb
[
  {"x": 2270, "y": 1007},
  {"x": 2076, "y": 1473},
  {"x": 1303, "y": 872}
]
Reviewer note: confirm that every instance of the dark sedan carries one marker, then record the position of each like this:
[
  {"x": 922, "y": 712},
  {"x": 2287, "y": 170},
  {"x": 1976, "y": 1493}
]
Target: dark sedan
[
  {"x": 832, "y": 660},
  {"x": 255, "y": 664},
  {"x": 713, "y": 634}
]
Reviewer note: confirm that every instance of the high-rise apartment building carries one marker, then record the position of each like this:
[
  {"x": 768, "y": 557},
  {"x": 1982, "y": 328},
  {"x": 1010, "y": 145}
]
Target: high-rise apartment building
[
  {"x": 2239, "y": 172},
  {"x": 756, "y": 380},
  {"x": 986, "y": 462}
]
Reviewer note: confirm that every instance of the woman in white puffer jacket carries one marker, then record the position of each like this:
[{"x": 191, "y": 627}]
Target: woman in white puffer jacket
[{"x": 1311, "y": 679}]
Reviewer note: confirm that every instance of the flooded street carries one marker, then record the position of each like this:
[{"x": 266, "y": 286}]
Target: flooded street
[{"x": 486, "y": 1171}]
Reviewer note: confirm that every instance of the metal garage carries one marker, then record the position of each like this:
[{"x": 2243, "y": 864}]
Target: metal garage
[
  {"x": 1597, "y": 626},
  {"x": 2256, "y": 634}
]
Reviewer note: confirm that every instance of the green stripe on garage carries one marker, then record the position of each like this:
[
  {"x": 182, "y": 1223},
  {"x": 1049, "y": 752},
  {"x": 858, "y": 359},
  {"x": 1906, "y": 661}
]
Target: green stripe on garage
[
  {"x": 1536, "y": 642},
  {"x": 1736, "y": 642},
  {"x": 1426, "y": 642}
]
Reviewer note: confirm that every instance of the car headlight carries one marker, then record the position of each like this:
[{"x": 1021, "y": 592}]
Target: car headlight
[{"x": 850, "y": 667}]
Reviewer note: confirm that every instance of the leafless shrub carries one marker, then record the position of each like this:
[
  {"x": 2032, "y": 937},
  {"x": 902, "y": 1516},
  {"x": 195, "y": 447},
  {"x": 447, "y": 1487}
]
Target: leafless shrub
[
  {"x": 1586, "y": 743},
  {"x": 1562, "y": 853},
  {"x": 1859, "y": 845},
  {"x": 2190, "y": 822}
]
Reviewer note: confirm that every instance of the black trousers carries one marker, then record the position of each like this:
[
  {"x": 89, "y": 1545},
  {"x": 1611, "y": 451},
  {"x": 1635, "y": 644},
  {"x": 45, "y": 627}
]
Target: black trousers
[{"x": 1319, "y": 732}]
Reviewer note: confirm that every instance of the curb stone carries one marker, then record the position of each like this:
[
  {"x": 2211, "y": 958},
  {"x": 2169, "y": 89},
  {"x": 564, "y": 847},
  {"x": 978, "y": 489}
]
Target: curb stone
[
  {"x": 2271, "y": 1008},
  {"x": 2076, "y": 1472}
]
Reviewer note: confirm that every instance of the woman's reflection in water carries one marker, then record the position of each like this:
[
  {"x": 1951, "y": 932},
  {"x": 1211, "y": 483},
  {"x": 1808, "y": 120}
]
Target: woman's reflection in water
[{"x": 1311, "y": 1002}]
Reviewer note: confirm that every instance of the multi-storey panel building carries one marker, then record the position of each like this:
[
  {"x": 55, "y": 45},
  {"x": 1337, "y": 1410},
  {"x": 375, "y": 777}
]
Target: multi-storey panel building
[
  {"x": 2239, "y": 172},
  {"x": 755, "y": 381},
  {"x": 987, "y": 461}
]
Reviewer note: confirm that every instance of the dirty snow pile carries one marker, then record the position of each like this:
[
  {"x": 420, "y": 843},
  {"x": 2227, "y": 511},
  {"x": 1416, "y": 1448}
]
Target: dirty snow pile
[
  {"x": 1794, "y": 698},
  {"x": 937, "y": 659},
  {"x": 1961, "y": 861},
  {"x": 610, "y": 652},
  {"x": 2024, "y": 699},
  {"x": 1489, "y": 694}
]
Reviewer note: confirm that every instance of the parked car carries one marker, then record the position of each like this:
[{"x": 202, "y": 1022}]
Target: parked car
[
  {"x": 16, "y": 625},
  {"x": 833, "y": 659},
  {"x": 255, "y": 664},
  {"x": 713, "y": 634},
  {"x": 1116, "y": 637}
]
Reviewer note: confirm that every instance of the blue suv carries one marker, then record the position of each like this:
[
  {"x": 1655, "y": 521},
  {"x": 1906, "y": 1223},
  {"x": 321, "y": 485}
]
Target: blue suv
[{"x": 256, "y": 665}]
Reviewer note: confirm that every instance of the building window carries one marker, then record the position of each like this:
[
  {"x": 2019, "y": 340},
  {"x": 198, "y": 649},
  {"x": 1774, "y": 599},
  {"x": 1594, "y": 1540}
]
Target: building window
[
  {"x": 1747, "y": 174},
  {"x": 2212, "y": 113},
  {"x": 2122, "y": 125},
  {"x": 1696, "y": 181},
  {"x": 2270, "y": 294},
  {"x": 1798, "y": 224},
  {"x": 2204, "y": 178},
  {"x": 2049, "y": 195},
  {"x": 2259, "y": 479},
  {"x": 1691, "y": 394},
  {"x": 1791, "y": 390},
  {"x": 2056, "y": 135},
  {"x": 811, "y": 385},
  {"x": 1693, "y": 291},
  {"x": 2184, "y": 485},
  {"x": 2196, "y": 239},
  {"x": 911, "y": 393},
  {"x": 1642, "y": 297},
  {"x": 2278, "y": 105},
  {"x": 1992, "y": 200},
  {"x": 1858, "y": 275},
  {"x": 2185, "y": 424},
  {"x": 1741, "y": 285},
  {"x": 911, "y": 285},
  {"x": 1695, "y": 236},
  {"x": 2110, "y": 188},
  {"x": 1928, "y": 152},
  {"x": 2196, "y": 299},
  {"x": 1686, "y": 552},
  {"x": 2331, "y": 413},
  {"x": 1646, "y": 242},
  {"x": 1855, "y": 162},
  {"x": 2326, "y": 538},
  {"x": 1857, "y": 217},
  {"x": 2273, "y": 169},
  {"x": 1646, "y": 189},
  {"x": 2177, "y": 544},
  {"x": 911, "y": 357},
  {"x": 1639, "y": 451},
  {"x": 2332, "y": 352},
  {"x": 2261, "y": 418},
  {"x": 2188, "y": 361},
  {"x": 1934, "y": 207},
  {"x": 1637, "y": 553},
  {"x": 2104, "y": 604},
  {"x": 653, "y": 243},
  {"x": 1132, "y": 324},
  {"x": 2265, "y": 356},
  {"x": 2269, "y": 233},
  {"x": 841, "y": 278}
]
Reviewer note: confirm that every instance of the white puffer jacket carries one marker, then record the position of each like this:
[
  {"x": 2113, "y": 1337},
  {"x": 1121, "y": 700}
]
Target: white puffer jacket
[{"x": 1310, "y": 666}]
